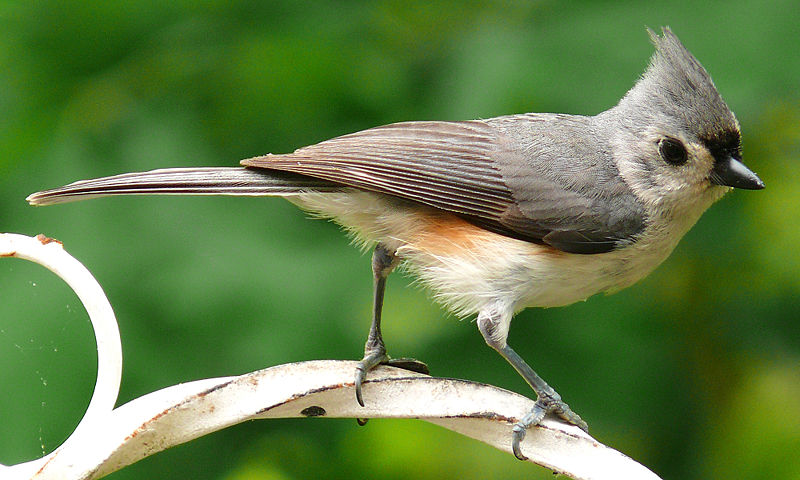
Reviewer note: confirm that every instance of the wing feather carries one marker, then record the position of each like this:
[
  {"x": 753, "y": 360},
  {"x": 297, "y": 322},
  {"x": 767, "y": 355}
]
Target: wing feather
[
  {"x": 446, "y": 165},
  {"x": 463, "y": 167}
]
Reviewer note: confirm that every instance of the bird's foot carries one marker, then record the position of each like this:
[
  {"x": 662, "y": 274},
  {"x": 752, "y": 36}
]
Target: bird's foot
[
  {"x": 377, "y": 357},
  {"x": 544, "y": 405}
]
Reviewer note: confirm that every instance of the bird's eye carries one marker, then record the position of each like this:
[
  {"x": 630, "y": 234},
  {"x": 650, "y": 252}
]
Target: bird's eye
[{"x": 672, "y": 151}]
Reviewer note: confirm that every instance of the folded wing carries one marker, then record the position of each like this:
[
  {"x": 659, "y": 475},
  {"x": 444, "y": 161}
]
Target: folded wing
[{"x": 453, "y": 166}]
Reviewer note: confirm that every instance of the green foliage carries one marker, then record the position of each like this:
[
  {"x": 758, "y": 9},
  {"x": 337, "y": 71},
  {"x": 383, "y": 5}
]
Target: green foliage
[{"x": 693, "y": 372}]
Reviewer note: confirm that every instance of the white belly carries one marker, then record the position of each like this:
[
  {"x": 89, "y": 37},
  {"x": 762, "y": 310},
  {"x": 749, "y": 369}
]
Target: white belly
[{"x": 468, "y": 268}]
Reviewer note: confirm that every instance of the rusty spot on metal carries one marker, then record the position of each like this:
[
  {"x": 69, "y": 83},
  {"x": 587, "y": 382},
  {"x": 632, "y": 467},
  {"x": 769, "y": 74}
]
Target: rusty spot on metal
[
  {"x": 44, "y": 239},
  {"x": 484, "y": 415},
  {"x": 8, "y": 254},
  {"x": 313, "y": 411},
  {"x": 202, "y": 394},
  {"x": 213, "y": 389},
  {"x": 143, "y": 426},
  {"x": 41, "y": 469}
]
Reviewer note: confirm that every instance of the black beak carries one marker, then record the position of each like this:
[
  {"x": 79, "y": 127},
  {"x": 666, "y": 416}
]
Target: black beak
[{"x": 731, "y": 172}]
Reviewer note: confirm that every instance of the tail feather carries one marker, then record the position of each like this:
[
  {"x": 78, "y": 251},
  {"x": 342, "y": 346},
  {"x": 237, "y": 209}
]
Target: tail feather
[{"x": 187, "y": 181}]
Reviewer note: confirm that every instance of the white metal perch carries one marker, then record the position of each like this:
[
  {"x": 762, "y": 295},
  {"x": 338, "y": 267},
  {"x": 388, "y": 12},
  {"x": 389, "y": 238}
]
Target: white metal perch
[{"x": 108, "y": 439}]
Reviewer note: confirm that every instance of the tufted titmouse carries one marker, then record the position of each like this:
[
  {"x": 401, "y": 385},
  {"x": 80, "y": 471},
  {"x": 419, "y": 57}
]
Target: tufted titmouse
[{"x": 505, "y": 213}]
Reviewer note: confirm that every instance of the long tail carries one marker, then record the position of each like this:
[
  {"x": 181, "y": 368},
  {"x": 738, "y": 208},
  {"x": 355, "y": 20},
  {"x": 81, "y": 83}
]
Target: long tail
[{"x": 187, "y": 181}]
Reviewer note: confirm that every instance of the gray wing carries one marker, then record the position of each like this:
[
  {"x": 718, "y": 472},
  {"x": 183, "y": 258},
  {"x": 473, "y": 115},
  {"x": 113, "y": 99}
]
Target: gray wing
[{"x": 468, "y": 168}]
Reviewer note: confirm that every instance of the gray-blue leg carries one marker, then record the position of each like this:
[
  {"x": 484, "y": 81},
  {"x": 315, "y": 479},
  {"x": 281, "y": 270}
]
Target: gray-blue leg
[
  {"x": 383, "y": 262},
  {"x": 547, "y": 399}
]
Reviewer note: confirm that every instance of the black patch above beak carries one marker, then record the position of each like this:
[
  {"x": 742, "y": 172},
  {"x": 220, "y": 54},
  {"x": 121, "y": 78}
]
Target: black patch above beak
[{"x": 731, "y": 172}]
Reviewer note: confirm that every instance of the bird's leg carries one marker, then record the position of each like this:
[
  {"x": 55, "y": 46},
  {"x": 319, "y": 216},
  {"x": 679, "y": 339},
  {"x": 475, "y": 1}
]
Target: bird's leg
[
  {"x": 493, "y": 325},
  {"x": 383, "y": 262}
]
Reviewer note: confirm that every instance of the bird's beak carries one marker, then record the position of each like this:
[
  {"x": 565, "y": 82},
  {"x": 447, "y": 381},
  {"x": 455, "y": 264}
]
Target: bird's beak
[{"x": 731, "y": 172}]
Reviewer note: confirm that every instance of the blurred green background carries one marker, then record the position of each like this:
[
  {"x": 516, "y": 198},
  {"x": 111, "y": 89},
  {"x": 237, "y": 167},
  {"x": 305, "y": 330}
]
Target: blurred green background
[{"x": 695, "y": 371}]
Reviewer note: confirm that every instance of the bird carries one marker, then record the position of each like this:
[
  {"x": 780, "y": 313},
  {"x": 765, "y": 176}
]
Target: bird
[{"x": 500, "y": 214}]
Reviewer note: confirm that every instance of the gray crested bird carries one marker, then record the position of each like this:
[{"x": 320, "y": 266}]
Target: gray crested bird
[{"x": 496, "y": 215}]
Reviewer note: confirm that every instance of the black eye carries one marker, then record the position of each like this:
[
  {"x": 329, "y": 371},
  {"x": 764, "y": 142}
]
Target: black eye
[{"x": 672, "y": 151}]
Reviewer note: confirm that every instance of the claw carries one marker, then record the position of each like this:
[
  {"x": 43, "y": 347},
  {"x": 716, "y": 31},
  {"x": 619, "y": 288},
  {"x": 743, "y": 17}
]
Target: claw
[
  {"x": 534, "y": 417},
  {"x": 361, "y": 374},
  {"x": 517, "y": 436},
  {"x": 410, "y": 364},
  {"x": 543, "y": 406},
  {"x": 371, "y": 360}
]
